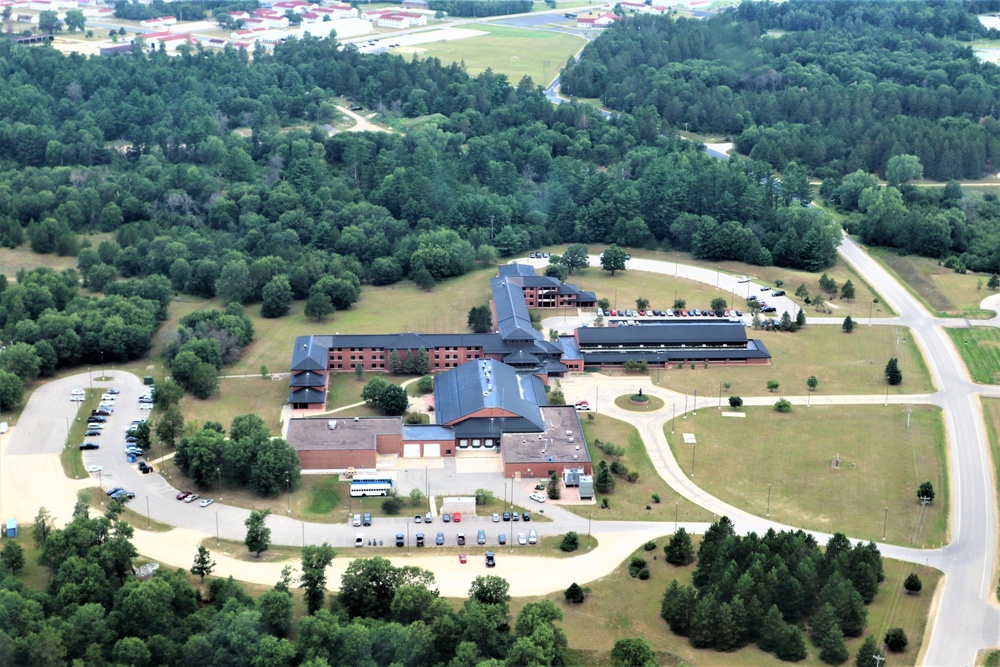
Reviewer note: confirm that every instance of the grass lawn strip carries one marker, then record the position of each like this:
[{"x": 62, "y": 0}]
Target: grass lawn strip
[
  {"x": 629, "y": 500},
  {"x": 736, "y": 460},
  {"x": 619, "y": 606},
  {"x": 71, "y": 456},
  {"x": 843, "y": 363},
  {"x": 980, "y": 350},
  {"x": 991, "y": 416}
]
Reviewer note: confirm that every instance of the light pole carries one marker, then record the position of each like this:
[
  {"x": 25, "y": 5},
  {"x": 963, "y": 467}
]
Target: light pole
[
  {"x": 694, "y": 450},
  {"x": 718, "y": 273},
  {"x": 885, "y": 523},
  {"x": 589, "y": 519},
  {"x": 102, "y": 363},
  {"x": 673, "y": 416},
  {"x": 768, "y": 500},
  {"x": 407, "y": 537},
  {"x": 685, "y": 406},
  {"x": 677, "y": 508},
  {"x": 288, "y": 493},
  {"x": 720, "y": 394},
  {"x": 100, "y": 479},
  {"x": 694, "y": 411},
  {"x": 218, "y": 481},
  {"x": 870, "y": 309}
]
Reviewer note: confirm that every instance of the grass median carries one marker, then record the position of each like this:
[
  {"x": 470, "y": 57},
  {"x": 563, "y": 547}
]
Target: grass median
[
  {"x": 619, "y": 606},
  {"x": 789, "y": 459},
  {"x": 980, "y": 350},
  {"x": 71, "y": 457},
  {"x": 842, "y": 363}
]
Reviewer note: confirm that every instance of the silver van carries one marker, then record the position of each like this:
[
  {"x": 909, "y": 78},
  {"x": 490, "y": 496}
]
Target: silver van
[{"x": 532, "y": 536}]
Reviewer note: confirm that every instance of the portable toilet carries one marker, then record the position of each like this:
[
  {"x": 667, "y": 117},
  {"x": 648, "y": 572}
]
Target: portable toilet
[
  {"x": 147, "y": 380},
  {"x": 11, "y": 528}
]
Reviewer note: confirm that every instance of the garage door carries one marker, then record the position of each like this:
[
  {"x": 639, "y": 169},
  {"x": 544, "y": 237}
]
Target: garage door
[
  {"x": 411, "y": 451},
  {"x": 432, "y": 450}
]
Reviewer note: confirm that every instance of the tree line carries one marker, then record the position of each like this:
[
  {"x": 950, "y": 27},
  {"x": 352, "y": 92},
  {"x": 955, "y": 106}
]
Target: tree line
[{"x": 833, "y": 86}]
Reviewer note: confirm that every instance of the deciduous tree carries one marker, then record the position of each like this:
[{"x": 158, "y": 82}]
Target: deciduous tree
[
  {"x": 613, "y": 259},
  {"x": 203, "y": 563},
  {"x": 315, "y": 560},
  {"x": 258, "y": 538}
]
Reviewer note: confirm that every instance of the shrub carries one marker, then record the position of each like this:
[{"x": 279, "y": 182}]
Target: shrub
[
  {"x": 635, "y": 565},
  {"x": 605, "y": 504},
  {"x": 619, "y": 468},
  {"x": 392, "y": 505},
  {"x": 783, "y": 405},
  {"x": 575, "y": 594},
  {"x": 644, "y": 574},
  {"x": 649, "y": 546},
  {"x": 735, "y": 402},
  {"x": 896, "y": 640},
  {"x": 425, "y": 385},
  {"x": 913, "y": 583},
  {"x": 570, "y": 542},
  {"x": 656, "y": 498},
  {"x": 483, "y": 496},
  {"x": 633, "y": 476}
]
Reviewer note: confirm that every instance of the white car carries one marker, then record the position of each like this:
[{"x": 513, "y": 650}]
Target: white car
[
  {"x": 206, "y": 502},
  {"x": 76, "y": 398},
  {"x": 95, "y": 468},
  {"x": 145, "y": 406},
  {"x": 521, "y": 539},
  {"x": 537, "y": 497},
  {"x": 745, "y": 279},
  {"x": 496, "y": 518}
]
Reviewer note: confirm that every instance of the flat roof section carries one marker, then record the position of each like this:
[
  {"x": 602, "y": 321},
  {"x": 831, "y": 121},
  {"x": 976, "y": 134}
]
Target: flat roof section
[
  {"x": 347, "y": 434},
  {"x": 664, "y": 335},
  {"x": 553, "y": 445}
]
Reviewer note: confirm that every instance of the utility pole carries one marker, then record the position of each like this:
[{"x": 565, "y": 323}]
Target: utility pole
[
  {"x": 677, "y": 507},
  {"x": 720, "y": 394},
  {"x": 147, "y": 513},
  {"x": 768, "y": 500},
  {"x": 694, "y": 449},
  {"x": 909, "y": 412},
  {"x": 885, "y": 523},
  {"x": 673, "y": 416},
  {"x": 685, "y": 406}
]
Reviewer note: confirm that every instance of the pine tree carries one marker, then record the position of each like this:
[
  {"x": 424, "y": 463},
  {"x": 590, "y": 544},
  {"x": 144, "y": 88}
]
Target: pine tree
[
  {"x": 848, "y": 325},
  {"x": 726, "y": 633},
  {"x": 604, "y": 481},
  {"x": 866, "y": 655},
  {"x": 913, "y": 583},
  {"x": 203, "y": 564},
  {"x": 821, "y": 622},
  {"x": 422, "y": 363},
  {"x": 793, "y": 647},
  {"x": 993, "y": 282},
  {"x": 680, "y": 550},
  {"x": 800, "y": 318},
  {"x": 832, "y": 650},
  {"x": 847, "y": 291},
  {"x": 892, "y": 373},
  {"x": 575, "y": 594},
  {"x": 395, "y": 365},
  {"x": 773, "y": 630},
  {"x": 677, "y": 607},
  {"x": 704, "y": 622}
]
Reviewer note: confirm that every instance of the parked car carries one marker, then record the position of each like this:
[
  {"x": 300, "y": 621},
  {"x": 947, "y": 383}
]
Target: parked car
[
  {"x": 366, "y": 520},
  {"x": 537, "y": 497},
  {"x": 506, "y": 516},
  {"x": 90, "y": 445},
  {"x": 768, "y": 309},
  {"x": 481, "y": 537},
  {"x": 428, "y": 518},
  {"x": 181, "y": 495},
  {"x": 778, "y": 292},
  {"x": 514, "y": 516},
  {"x": 744, "y": 279},
  {"x": 502, "y": 539},
  {"x": 191, "y": 498},
  {"x": 359, "y": 540},
  {"x": 98, "y": 419},
  {"x": 462, "y": 559},
  {"x": 400, "y": 540},
  {"x": 496, "y": 518},
  {"x": 446, "y": 517},
  {"x": 418, "y": 519},
  {"x": 112, "y": 391},
  {"x": 765, "y": 288},
  {"x": 114, "y": 490},
  {"x": 95, "y": 468},
  {"x": 532, "y": 536},
  {"x": 457, "y": 517},
  {"x": 356, "y": 520},
  {"x": 206, "y": 502},
  {"x": 91, "y": 433},
  {"x": 460, "y": 539},
  {"x": 439, "y": 540},
  {"x": 76, "y": 398},
  {"x": 526, "y": 516},
  {"x": 582, "y": 407},
  {"x": 491, "y": 559},
  {"x": 521, "y": 539},
  {"x": 420, "y": 539}
]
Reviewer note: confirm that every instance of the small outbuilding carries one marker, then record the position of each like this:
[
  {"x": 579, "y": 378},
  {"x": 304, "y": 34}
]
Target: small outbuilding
[{"x": 11, "y": 528}]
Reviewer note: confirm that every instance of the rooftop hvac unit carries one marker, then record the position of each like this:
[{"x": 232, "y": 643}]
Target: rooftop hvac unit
[
  {"x": 571, "y": 440},
  {"x": 578, "y": 446},
  {"x": 356, "y": 419},
  {"x": 332, "y": 424},
  {"x": 569, "y": 432},
  {"x": 486, "y": 393},
  {"x": 575, "y": 457}
]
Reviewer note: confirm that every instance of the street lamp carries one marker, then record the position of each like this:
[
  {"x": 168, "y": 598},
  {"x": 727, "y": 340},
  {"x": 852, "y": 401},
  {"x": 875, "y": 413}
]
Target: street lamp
[
  {"x": 288, "y": 493},
  {"x": 769, "y": 500},
  {"x": 720, "y": 394},
  {"x": 102, "y": 363}
]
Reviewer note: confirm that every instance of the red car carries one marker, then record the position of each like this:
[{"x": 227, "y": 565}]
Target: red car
[
  {"x": 183, "y": 494},
  {"x": 457, "y": 517},
  {"x": 462, "y": 559}
]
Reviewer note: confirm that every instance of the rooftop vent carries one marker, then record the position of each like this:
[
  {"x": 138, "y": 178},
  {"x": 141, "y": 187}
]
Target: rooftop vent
[
  {"x": 575, "y": 457},
  {"x": 571, "y": 440},
  {"x": 332, "y": 424},
  {"x": 355, "y": 419},
  {"x": 578, "y": 446},
  {"x": 569, "y": 432}
]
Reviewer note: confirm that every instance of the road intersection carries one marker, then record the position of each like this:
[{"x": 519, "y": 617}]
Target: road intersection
[{"x": 967, "y": 616}]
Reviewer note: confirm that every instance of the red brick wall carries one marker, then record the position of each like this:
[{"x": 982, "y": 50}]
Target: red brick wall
[
  {"x": 389, "y": 444},
  {"x": 377, "y": 360},
  {"x": 541, "y": 469},
  {"x": 319, "y": 459}
]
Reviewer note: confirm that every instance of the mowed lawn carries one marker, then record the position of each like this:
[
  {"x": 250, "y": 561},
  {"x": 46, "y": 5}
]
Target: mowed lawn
[
  {"x": 629, "y": 499},
  {"x": 516, "y": 52},
  {"x": 842, "y": 363},
  {"x": 882, "y": 464},
  {"x": 619, "y": 606},
  {"x": 980, "y": 350},
  {"x": 239, "y": 396},
  {"x": 942, "y": 291}
]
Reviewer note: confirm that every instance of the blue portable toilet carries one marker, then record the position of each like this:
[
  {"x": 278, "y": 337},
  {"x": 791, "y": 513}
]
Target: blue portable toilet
[
  {"x": 11, "y": 528},
  {"x": 131, "y": 458}
]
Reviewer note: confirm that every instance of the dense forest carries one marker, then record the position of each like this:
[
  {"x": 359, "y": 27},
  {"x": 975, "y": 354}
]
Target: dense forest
[
  {"x": 93, "y": 610},
  {"x": 834, "y": 86}
]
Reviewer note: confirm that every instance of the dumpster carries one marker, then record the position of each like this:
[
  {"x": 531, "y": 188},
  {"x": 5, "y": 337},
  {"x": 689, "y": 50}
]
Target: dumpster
[
  {"x": 147, "y": 380},
  {"x": 11, "y": 528}
]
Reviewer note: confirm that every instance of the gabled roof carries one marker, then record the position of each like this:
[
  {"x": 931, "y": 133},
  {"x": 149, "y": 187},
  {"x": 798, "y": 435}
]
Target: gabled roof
[
  {"x": 513, "y": 320},
  {"x": 309, "y": 354},
  {"x": 520, "y": 357},
  {"x": 508, "y": 270},
  {"x": 680, "y": 333},
  {"x": 488, "y": 385},
  {"x": 307, "y": 379},
  {"x": 306, "y": 395}
]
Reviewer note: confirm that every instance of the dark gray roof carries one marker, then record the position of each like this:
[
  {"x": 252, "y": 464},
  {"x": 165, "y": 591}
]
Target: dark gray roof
[
  {"x": 520, "y": 357},
  {"x": 487, "y": 385},
  {"x": 347, "y": 434},
  {"x": 308, "y": 379},
  {"x": 508, "y": 270},
  {"x": 560, "y": 442},
  {"x": 513, "y": 320},
  {"x": 709, "y": 334},
  {"x": 307, "y": 395},
  {"x": 309, "y": 354}
]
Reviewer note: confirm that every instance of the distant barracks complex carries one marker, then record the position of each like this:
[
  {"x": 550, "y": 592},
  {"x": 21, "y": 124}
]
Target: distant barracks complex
[{"x": 489, "y": 391}]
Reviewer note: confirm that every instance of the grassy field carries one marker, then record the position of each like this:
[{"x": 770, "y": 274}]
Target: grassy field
[
  {"x": 660, "y": 289},
  {"x": 736, "y": 460},
  {"x": 941, "y": 290},
  {"x": 516, "y": 52},
  {"x": 239, "y": 396},
  {"x": 619, "y": 606},
  {"x": 629, "y": 500},
  {"x": 980, "y": 350},
  {"x": 13, "y": 260},
  {"x": 843, "y": 363},
  {"x": 991, "y": 415},
  {"x": 71, "y": 456}
]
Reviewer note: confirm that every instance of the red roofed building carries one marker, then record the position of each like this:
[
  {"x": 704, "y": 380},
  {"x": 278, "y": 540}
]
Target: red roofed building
[{"x": 597, "y": 21}]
